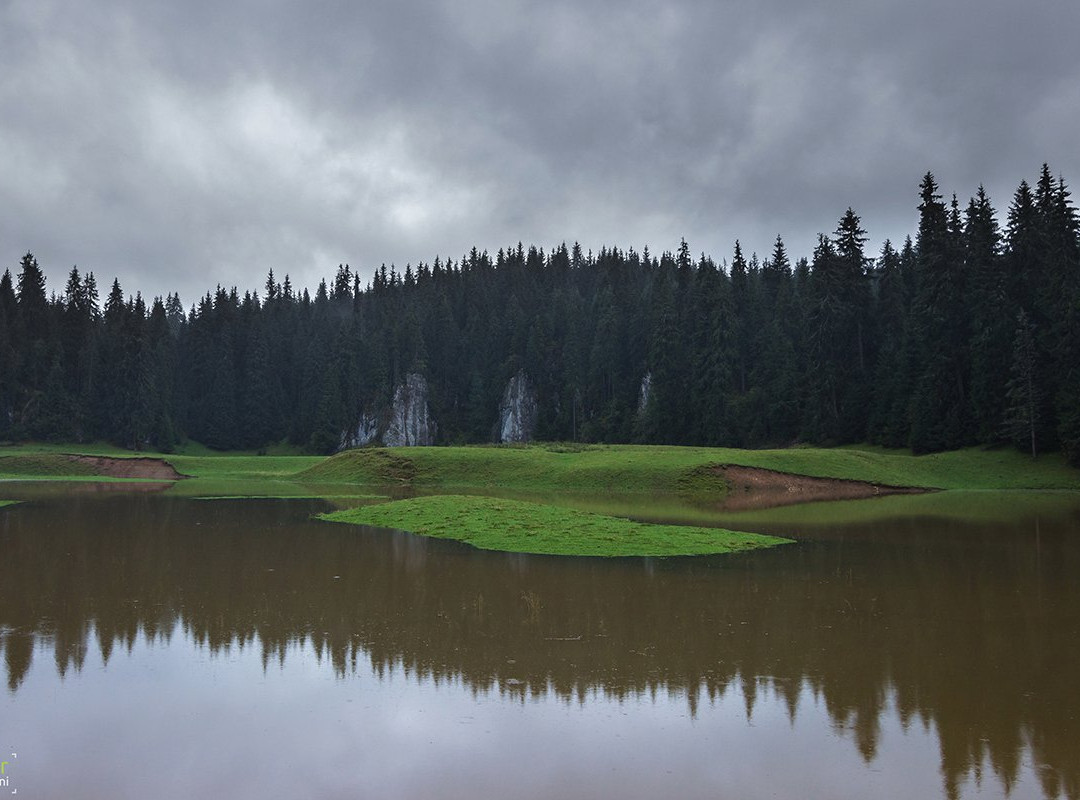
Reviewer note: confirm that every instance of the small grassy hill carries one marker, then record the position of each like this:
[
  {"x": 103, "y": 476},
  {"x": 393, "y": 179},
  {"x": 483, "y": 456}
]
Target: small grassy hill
[{"x": 642, "y": 469}]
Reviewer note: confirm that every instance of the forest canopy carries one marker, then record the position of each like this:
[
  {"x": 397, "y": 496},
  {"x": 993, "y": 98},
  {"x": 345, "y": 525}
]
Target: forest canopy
[{"x": 966, "y": 333}]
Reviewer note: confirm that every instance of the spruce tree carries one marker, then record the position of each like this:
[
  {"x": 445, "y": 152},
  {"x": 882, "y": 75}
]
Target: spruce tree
[
  {"x": 992, "y": 312},
  {"x": 33, "y": 353},
  {"x": 1024, "y": 395},
  {"x": 888, "y": 420},
  {"x": 838, "y": 336},
  {"x": 8, "y": 355},
  {"x": 774, "y": 373},
  {"x": 32, "y": 303},
  {"x": 940, "y": 407},
  {"x": 663, "y": 422}
]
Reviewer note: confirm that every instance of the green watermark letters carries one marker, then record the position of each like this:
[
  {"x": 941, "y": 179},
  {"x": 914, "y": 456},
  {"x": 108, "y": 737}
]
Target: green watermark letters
[{"x": 5, "y": 773}]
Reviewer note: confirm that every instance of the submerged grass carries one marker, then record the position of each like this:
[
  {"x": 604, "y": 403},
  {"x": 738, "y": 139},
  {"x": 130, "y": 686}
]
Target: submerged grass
[{"x": 513, "y": 525}]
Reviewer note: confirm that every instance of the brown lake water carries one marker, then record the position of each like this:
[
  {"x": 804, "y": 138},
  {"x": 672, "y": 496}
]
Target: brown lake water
[{"x": 157, "y": 647}]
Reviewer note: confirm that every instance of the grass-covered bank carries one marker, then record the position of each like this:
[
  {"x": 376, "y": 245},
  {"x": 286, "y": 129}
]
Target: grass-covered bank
[
  {"x": 663, "y": 470},
  {"x": 582, "y": 469},
  {"x": 200, "y": 471},
  {"x": 570, "y": 489},
  {"x": 628, "y": 470},
  {"x": 511, "y": 525}
]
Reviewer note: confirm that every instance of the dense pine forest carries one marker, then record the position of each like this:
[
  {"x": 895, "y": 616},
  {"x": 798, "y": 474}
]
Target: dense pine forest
[{"x": 967, "y": 334}]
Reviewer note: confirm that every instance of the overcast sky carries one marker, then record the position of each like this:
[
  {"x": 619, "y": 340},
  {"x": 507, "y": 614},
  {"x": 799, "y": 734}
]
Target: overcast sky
[{"x": 178, "y": 145}]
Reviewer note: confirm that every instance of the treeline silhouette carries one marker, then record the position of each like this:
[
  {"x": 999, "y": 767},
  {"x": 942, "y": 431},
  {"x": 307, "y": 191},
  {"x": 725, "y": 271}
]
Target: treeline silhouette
[{"x": 969, "y": 333}]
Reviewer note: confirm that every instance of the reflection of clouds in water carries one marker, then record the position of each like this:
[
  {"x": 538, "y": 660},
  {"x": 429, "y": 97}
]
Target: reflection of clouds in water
[
  {"x": 182, "y": 720},
  {"x": 865, "y": 633}
]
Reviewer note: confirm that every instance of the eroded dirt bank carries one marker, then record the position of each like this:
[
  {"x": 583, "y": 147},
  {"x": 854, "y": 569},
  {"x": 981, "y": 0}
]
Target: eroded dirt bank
[
  {"x": 752, "y": 488},
  {"x": 154, "y": 469}
]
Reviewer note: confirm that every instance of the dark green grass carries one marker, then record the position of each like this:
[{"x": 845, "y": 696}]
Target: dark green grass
[
  {"x": 42, "y": 465},
  {"x": 515, "y": 526}
]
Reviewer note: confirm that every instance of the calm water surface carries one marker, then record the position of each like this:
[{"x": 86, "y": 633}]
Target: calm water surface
[{"x": 157, "y": 647}]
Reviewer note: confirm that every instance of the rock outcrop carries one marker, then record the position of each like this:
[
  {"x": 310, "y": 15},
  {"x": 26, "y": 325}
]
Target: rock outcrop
[
  {"x": 644, "y": 392},
  {"x": 407, "y": 422},
  {"x": 366, "y": 432},
  {"x": 517, "y": 411},
  {"x": 410, "y": 423}
]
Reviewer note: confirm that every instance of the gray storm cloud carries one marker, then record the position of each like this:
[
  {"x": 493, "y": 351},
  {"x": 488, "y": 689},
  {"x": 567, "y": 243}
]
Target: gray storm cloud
[{"x": 178, "y": 146}]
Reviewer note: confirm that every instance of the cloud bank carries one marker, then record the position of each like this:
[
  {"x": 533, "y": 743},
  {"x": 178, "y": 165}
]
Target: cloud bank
[{"x": 178, "y": 146}]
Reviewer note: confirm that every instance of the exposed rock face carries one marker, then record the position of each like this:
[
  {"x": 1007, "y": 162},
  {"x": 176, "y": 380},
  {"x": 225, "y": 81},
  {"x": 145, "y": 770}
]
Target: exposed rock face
[
  {"x": 407, "y": 422},
  {"x": 517, "y": 411},
  {"x": 643, "y": 394},
  {"x": 410, "y": 422},
  {"x": 366, "y": 432}
]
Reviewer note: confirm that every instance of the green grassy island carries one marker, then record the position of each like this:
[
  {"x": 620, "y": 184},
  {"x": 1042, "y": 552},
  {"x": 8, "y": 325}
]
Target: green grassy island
[
  {"x": 491, "y": 523},
  {"x": 565, "y": 499}
]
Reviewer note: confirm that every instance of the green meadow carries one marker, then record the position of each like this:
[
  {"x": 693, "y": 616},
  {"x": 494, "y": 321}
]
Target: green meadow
[
  {"x": 662, "y": 470},
  {"x": 576, "y": 499},
  {"x": 584, "y": 469}
]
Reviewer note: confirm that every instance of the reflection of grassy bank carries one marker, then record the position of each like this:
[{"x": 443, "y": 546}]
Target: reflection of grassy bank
[
  {"x": 345, "y": 500},
  {"x": 511, "y": 525},
  {"x": 976, "y": 505},
  {"x": 255, "y": 487},
  {"x": 241, "y": 467}
]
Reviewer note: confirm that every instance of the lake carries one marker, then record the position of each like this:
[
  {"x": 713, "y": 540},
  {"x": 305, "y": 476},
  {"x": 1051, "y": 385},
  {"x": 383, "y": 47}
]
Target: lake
[{"x": 163, "y": 647}]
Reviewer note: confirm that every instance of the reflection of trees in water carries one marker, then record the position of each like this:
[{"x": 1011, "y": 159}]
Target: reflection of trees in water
[{"x": 972, "y": 631}]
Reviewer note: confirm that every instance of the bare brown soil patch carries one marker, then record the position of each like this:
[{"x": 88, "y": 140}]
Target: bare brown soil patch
[
  {"x": 752, "y": 488},
  {"x": 153, "y": 469}
]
